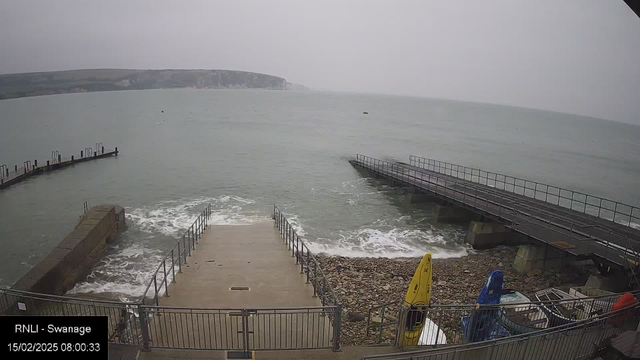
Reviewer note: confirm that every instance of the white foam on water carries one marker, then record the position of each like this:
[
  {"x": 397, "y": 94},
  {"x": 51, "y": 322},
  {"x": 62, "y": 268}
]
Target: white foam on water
[
  {"x": 383, "y": 240},
  {"x": 172, "y": 218},
  {"x": 128, "y": 270},
  {"x": 395, "y": 242},
  {"x": 296, "y": 225}
]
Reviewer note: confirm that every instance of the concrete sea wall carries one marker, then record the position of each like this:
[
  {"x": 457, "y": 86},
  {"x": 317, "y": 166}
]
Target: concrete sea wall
[{"x": 72, "y": 259}]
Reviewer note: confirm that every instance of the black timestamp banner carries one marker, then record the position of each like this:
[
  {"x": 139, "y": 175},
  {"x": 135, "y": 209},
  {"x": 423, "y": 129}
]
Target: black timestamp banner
[{"x": 46, "y": 337}]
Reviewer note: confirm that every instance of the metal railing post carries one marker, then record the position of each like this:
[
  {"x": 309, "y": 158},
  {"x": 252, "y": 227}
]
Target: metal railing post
[
  {"x": 337, "y": 328},
  {"x": 179, "y": 258},
  {"x": 144, "y": 329},
  {"x": 164, "y": 270},
  {"x": 293, "y": 245},
  {"x": 155, "y": 287},
  {"x": 315, "y": 279},
  {"x": 308, "y": 264},
  {"x": 173, "y": 268}
]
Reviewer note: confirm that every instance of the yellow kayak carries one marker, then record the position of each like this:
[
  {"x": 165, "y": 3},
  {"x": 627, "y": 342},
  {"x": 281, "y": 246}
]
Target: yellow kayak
[{"x": 416, "y": 301}]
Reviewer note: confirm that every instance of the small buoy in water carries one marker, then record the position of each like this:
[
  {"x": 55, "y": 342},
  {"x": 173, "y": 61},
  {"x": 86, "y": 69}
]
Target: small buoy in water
[
  {"x": 162, "y": 110},
  {"x": 366, "y": 113}
]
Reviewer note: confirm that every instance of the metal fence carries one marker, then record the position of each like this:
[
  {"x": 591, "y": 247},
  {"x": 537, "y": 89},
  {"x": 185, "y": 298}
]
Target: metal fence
[
  {"x": 621, "y": 213},
  {"x": 191, "y": 328},
  {"x": 243, "y": 329},
  {"x": 608, "y": 245},
  {"x": 575, "y": 340},
  {"x": 309, "y": 265},
  {"x": 458, "y": 324},
  {"x": 124, "y": 320},
  {"x": 166, "y": 271}
]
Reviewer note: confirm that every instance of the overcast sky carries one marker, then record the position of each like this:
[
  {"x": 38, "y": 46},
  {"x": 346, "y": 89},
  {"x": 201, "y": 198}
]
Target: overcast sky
[{"x": 576, "y": 56}]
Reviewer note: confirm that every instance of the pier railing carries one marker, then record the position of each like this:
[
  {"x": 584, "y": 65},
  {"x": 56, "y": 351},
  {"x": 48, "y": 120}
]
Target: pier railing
[
  {"x": 575, "y": 340},
  {"x": 458, "y": 324},
  {"x": 565, "y": 231},
  {"x": 621, "y": 213},
  {"x": 166, "y": 271},
  {"x": 310, "y": 266},
  {"x": 11, "y": 175}
]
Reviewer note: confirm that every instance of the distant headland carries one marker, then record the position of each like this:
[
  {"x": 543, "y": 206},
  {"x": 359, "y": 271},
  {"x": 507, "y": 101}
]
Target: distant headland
[{"x": 74, "y": 81}]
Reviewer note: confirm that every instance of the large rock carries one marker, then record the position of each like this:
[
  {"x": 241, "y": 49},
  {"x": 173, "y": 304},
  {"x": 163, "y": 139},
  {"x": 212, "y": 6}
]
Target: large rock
[{"x": 354, "y": 317}]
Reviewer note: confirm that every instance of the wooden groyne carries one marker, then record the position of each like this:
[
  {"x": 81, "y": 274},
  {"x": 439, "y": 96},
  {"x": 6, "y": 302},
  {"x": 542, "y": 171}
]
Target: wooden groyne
[{"x": 10, "y": 176}]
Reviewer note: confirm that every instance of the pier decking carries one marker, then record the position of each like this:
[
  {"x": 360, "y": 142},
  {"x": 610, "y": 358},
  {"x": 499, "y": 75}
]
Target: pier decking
[{"x": 537, "y": 214}]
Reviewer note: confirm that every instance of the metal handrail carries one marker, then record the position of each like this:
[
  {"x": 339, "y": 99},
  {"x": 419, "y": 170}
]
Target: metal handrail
[
  {"x": 475, "y": 175},
  {"x": 586, "y": 307},
  {"x": 472, "y": 196},
  {"x": 236, "y": 308},
  {"x": 635, "y": 293},
  {"x": 66, "y": 299},
  {"x": 177, "y": 256},
  {"x": 307, "y": 261},
  {"x": 582, "y": 324},
  {"x": 321, "y": 286},
  {"x": 489, "y": 189}
]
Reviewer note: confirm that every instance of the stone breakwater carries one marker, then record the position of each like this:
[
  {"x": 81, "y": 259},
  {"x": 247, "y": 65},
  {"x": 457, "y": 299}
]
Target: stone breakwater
[{"x": 361, "y": 283}]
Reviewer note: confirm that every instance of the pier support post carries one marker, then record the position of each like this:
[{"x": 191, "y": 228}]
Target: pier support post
[
  {"x": 16, "y": 168},
  {"x": 59, "y": 158},
  {"x": 453, "y": 214},
  {"x": 418, "y": 198},
  {"x": 485, "y": 235},
  {"x": 35, "y": 163},
  {"x": 116, "y": 151},
  {"x": 72, "y": 159},
  {"x": 81, "y": 154},
  {"x": 614, "y": 283},
  {"x": 530, "y": 257}
]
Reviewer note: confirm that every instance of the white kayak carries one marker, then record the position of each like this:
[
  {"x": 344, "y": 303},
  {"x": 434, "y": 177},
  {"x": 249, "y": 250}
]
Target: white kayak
[{"x": 431, "y": 334}]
